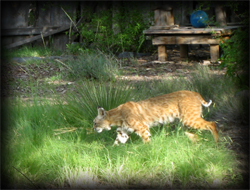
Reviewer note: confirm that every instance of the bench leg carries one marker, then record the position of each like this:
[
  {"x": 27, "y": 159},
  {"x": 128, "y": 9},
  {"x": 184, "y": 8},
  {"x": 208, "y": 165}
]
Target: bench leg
[
  {"x": 184, "y": 51},
  {"x": 162, "y": 53},
  {"x": 214, "y": 52}
]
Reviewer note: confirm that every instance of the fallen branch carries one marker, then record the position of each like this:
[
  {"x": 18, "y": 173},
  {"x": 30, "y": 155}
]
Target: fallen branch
[
  {"x": 25, "y": 177},
  {"x": 66, "y": 130}
]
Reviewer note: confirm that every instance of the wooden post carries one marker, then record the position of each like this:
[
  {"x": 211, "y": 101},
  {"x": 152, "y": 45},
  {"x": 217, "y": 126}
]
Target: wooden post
[
  {"x": 157, "y": 15},
  {"x": 170, "y": 17},
  {"x": 184, "y": 51},
  {"x": 185, "y": 15},
  {"x": 162, "y": 53},
  {"x": 220, "y": 15},
  {"x": 214, "y": 52},
  {"x": 163, "y": 17}
]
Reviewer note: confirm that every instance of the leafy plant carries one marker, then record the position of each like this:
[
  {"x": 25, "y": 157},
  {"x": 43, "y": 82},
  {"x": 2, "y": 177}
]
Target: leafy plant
[
  {"x": 235, "y": 55},
  {"x": 76, "y": 48},
  {"x": 116, "y": 30}
]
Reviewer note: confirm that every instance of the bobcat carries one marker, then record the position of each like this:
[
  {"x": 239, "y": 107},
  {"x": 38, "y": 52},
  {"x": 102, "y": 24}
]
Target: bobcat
[{"x": 139, "y": 116}]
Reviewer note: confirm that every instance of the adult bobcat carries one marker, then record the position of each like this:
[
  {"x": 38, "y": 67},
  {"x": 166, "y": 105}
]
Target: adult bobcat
[{"x": 139, "y": 116}]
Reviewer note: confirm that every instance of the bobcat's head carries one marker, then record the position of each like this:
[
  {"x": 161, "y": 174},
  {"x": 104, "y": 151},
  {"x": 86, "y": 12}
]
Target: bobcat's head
[{"x": 101, "y": 122}]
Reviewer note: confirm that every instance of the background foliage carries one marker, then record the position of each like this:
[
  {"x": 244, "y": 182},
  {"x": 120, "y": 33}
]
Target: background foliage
[
  {"x": 235, "y": 56},
  {"x": 115, "y": 30}
]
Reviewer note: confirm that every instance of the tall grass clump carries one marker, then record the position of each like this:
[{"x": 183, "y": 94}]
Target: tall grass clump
[
  {"x": 82, "y": 106},
  {"x": 93, "y": 65}
]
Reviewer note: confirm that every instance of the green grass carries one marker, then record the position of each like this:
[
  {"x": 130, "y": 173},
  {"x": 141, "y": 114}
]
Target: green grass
[
  {"x": 94, "y": 65},
  {"x": 54, "y": 146},
  {"x": 79, "y": 159},
  {"x": 51, "y": 144},
  {"x": 29, "y": 51}
]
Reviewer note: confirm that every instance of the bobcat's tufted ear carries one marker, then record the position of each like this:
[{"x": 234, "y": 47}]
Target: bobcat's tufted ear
[{"x": 101, "y": 111}]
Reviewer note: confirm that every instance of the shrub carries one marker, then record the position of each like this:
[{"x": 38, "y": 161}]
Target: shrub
[
  {"x": 236, "y": 57},
  {"x": 114, "y": 30}
]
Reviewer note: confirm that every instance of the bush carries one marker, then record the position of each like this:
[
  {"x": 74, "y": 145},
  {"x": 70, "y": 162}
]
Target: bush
[
  {"x": 236, "y": 57},
  {"x": 114, "y": 30}
]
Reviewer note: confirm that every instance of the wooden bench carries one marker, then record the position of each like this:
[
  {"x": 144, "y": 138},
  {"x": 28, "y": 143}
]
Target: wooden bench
[
  {"x": 184, "y": 36},
  {"x": 164, "y": 32}
]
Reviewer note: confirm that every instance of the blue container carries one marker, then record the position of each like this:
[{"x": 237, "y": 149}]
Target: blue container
[{"x": 199, "y": 19}]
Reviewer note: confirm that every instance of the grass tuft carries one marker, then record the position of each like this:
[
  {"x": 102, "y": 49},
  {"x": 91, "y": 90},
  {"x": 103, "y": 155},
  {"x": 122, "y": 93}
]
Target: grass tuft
[{"x": 95, "y": 65}]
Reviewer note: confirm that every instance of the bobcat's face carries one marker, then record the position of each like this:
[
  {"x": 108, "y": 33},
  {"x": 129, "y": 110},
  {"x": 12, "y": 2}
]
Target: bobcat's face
[{"x": 100, "y": 122}]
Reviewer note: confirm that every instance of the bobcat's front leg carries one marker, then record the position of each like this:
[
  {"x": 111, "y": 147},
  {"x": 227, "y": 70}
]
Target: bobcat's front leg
[{"x": 121, "y": 137}]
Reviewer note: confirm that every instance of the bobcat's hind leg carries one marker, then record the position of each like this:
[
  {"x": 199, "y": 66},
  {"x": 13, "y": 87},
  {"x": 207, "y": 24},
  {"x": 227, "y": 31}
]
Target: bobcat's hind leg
[
  {"x": 200, "y": 123},
  {"x": 212, "y": 128}
]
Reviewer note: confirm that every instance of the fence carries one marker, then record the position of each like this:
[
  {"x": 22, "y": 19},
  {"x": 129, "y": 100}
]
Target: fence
[{"x": 38, "y": 22}]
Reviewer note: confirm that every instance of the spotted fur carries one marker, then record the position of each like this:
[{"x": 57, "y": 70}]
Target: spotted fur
[{"x": 139, "y": 116}]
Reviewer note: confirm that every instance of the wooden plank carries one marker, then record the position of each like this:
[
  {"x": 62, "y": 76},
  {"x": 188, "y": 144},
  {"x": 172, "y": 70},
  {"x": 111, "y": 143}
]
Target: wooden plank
[
  {"x": 164, "y": 27},
  {"x": 44, "y": 17},
  {"x": 161, "y": 40},
  {"x": 58, "y": 12},
  {"x": 157, "y": 14},
  {"x": 160, "y": 27},
  {"x": 163, "y": 21},
  {"x": 180, "y": 31},
  {"x": 27, "y": 31},
  {"x": 190, "y": 30},
  {"x": 162, "y": 53},
  {"x": 220, "y": 14},
  {"x": 170, "y": 17},
  {"x": 163, "y": 17},
  {"x": 26, "y": 41},
  {"x": 186, "y": 6},
  {"x": 214, "y": 52},
  {"x": 184, "y": 39}
]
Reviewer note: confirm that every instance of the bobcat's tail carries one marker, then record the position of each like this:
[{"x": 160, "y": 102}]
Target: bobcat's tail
[
  {"x": 203, "y": 102},
  {"x": 206, "y": 104}
]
